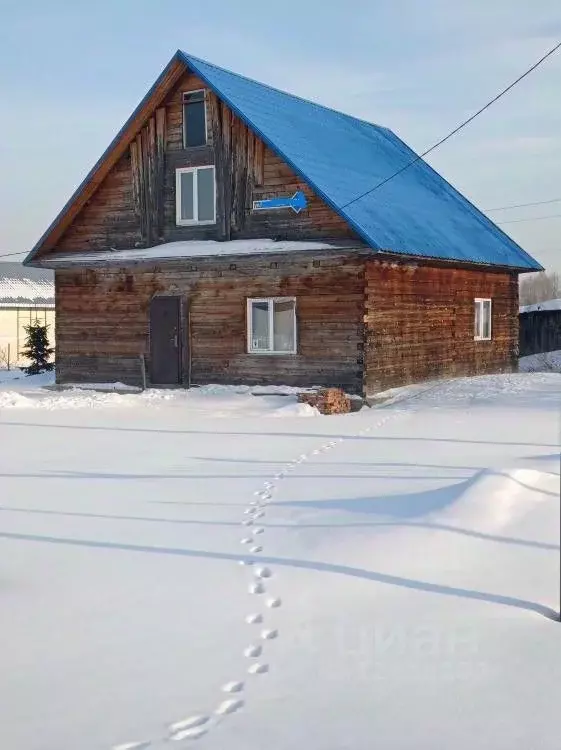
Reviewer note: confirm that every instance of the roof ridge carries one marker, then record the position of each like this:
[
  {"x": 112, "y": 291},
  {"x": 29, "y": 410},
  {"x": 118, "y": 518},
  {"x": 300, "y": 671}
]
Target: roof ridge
[{"x": 187, "y": 56}]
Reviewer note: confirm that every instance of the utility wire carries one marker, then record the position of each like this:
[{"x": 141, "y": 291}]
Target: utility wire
[
  {"x": 536, "y": 218},
  {"x": 11, "y": 255},
  {"x": 524, "y": 205},
  {"x": 456, "y": 130}
]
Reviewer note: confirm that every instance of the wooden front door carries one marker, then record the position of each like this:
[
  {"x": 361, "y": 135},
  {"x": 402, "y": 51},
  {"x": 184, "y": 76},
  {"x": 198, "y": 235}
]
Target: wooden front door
[{"x": 165, "y": 341}]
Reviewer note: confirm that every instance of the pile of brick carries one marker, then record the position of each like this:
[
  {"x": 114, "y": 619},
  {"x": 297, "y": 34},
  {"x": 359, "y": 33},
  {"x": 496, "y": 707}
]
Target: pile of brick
[{"x": 327, "y": 401}]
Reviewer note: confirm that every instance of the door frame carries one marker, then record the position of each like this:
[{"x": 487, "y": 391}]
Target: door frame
[{"x": 183, "y": 343}]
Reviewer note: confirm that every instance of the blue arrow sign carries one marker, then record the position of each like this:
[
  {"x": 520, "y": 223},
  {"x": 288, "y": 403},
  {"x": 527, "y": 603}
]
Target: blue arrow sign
[{"x": 297, "y": 203}]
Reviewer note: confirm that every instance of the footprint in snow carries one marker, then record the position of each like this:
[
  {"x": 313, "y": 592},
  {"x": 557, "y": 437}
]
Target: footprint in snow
[
  {"x": 232, "y": 687},
  {"x": 253, "y": 651},
  {"x": 269, "y": 635},
  {"x": 263, "y": 573},
  {"x": 256, "y": 588},
  {"x": 190, "y": 723},
  {"x": 247, "y": 540},
  {"x": 255, "y": 550},
  {"x": 229, "y": 707},
  {"x": 189, "y": 734},
  {"x": 258, "y": 530},
  {"x": 189, "y": 729},
  {"x": 254, "y": 619},
  {"x": 274, "y": 602},
  {"x": 258, "y": 669}
]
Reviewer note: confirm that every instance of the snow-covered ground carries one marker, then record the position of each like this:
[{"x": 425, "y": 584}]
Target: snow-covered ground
[
  {"x": 405, "y": 569},
  {"x": 545, "y": 362}
]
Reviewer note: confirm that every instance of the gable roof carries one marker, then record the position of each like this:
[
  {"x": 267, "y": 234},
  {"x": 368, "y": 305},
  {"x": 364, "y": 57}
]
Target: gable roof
[
  {"x": 25, "y": 287},
  {"x": 416, "y": 214}
]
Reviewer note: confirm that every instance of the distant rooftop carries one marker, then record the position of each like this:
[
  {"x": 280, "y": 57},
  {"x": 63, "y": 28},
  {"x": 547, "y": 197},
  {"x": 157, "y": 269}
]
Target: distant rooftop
[{"x": 26, "y": 287}]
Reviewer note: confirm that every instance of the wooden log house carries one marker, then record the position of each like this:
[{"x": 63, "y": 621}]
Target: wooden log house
[{"x": 230, "y": 234}]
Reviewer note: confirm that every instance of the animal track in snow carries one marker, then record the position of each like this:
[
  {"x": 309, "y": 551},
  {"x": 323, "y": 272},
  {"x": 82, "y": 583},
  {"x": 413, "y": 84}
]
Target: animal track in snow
[
  {"x": 229, "y": 707},
  {"x": 197, "y": 726},
  {"x": 189, "y": 723},
  {"x": 269, "y": 635},
  {"x": 258, "y": 669},
  {"x": 190, "y": 734},
  {"x": 256, "y": 588},
  {"x": 233, "y": 687},
  {"x": 263, "y": 573}
]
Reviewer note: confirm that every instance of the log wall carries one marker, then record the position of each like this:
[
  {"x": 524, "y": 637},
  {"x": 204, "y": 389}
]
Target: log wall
[
  {"x": 102, "y": 323},
  {"x": 419, "y": 323}
]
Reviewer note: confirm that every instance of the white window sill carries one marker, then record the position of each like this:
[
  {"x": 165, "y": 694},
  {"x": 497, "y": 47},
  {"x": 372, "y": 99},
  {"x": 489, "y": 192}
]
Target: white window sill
[
  {"x": 482, "y": 338},
  {"x": 194, "y": 223},
  {"x": 272, "y": 354}
]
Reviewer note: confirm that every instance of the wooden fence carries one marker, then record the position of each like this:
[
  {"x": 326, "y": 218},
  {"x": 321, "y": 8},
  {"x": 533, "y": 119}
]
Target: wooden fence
[{"x": 540, "y": 331}]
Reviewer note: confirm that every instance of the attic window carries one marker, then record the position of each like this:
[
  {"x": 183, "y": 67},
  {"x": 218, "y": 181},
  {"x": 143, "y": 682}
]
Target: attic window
[
  {"x": 194, "y": 119},
  {"x": 195, "y": 196}
]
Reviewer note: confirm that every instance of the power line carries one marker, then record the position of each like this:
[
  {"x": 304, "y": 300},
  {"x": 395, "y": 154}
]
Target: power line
[
  {"x": 523, "y": 205},
  {"x": 536, "y": 218},
  {"x": 456, "y": 130},
  {"x": 11, "y": 255}
]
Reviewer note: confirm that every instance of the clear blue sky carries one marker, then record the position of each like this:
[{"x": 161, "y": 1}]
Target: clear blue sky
[{"x": 71, "y": 72}]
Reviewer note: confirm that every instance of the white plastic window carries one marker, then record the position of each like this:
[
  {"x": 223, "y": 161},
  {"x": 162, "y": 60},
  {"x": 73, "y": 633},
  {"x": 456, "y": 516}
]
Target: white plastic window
[
  {"x": 271, "y": 325},
  {"x": 482, "y": 330}
]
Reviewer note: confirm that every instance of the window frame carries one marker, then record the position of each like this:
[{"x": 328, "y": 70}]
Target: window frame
[
  {"x": 194, "y": 221},
  {"x": 480, "y": 302},
  {"x": 271, "y": 311},
  {"x": 184, "y": 123}
]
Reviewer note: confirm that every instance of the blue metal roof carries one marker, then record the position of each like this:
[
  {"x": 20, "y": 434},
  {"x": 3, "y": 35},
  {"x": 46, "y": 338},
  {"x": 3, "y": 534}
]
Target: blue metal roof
[{"x": 416, "y": 213}]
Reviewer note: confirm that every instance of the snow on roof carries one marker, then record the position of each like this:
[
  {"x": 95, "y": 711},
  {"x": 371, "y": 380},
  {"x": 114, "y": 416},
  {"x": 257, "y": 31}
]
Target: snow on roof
[
  {"x": 24, "y": 287},
  {"x": 187, "y": 249},
  {"x": 550, "y": 304}
]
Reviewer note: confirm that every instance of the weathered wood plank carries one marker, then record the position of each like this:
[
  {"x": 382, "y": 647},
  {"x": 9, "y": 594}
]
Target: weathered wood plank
[
  {"x": 103, "y": 317},
  {"x": 419, "y": 323}
]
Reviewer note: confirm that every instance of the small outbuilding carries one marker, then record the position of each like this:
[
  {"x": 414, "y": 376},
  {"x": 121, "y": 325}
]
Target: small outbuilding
[{"x": 26, "y": 295}]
